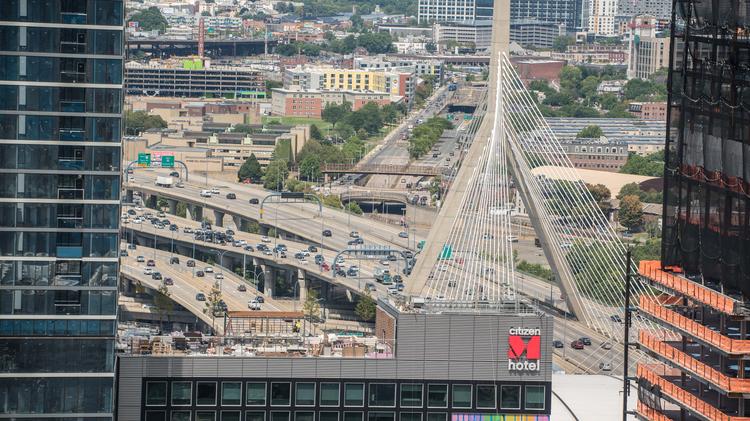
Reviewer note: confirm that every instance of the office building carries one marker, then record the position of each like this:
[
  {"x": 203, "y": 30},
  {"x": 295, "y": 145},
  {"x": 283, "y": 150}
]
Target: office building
[
  {"x": 295, "y": 102},
  {"x": 649, "y": 48},
  {"x": 704, "y": 273},
  {"x": 660, "y": 9},
  {"x": 418, "y": 67},
  {"x": 194, "y": 79},
  {"x": 534, "y": 33},
  {"x": 477, "y": 34},
  {"x": 423, "y": 365},
  {"x": 441, "y": 11},
  {"x": 602, "y": 15},
  {"x": 596, "y": 154},
  {"x": 61, "y": 80},
  {"x": 566, "y": 12}
]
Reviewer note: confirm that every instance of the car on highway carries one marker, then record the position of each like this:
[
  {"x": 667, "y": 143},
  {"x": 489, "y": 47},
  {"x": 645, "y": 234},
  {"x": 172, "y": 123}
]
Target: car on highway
[
  {"x": 265, "y": 239},
  {"x": 249, "y": 248},
  {"x": 131, "y": 212},
  {"x": 209, "y": 269},
  {"x": 403, "y": 234},
  {"x": 354, "y": 234},
  {"x": 174, "y": 260},
  {"x": 606, "y": 345},
  {"x": 341, "y": 272},
  {"x": 557, "y": 344},
  {"x": 156, "y": 276},
  {"x": 253, "y": 305},
  {"x": 168, "y": 281},
  {"x": 370, "y": 286},
  {"x": 327, "y": 233},
  {"x": 253, "y": 201},
  {"x": 242, "y": 288},
  {"x": 191, "y": 263},
  {"x": 205, "y": 193},
  {"x": 576, "y": 344},
  {"x": 392, "y": 257},
  {"x": 219, "y": 276},
  {"x": 200, "y": 296},
  {"x": 173, "y": 227},
  {"x": 151, "y": 263},
  {"x": 231, "y": 196},
  {"x": 147, "y": 271},
  {"x": 260, "y": 299},
  {"x": 200, "y": 274},
  {"x": 123, "y": 253},
  {"x": 312, "y": 249},
  {"x": 215, "y": 190},
  {"x": 174, "y": 174},
  {"x": 605, "y": 366},
  {"x": 384, "y": 262},
  {"x": 267, "y": 252},
  {"x": 324, "y": 266},
  {"x": 615, "y": 318},
  {"x": 187, "y": 230},
  {"x": 356, "y": 241},
  {"x": 351, "y": 272},
  {"x": 585, "y": 340}
]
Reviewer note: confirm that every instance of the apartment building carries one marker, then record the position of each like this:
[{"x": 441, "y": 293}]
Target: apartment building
[
  {"x": 648, "y": 48},
  {"x": 310, "y": 103},
  {"x": 323, "y": 78}
]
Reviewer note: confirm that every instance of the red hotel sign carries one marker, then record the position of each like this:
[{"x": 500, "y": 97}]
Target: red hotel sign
[{"x": 524, "y": 349}]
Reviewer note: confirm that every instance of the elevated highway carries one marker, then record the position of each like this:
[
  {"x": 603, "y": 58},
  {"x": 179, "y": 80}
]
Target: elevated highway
[{"x": 189, "y": 47}]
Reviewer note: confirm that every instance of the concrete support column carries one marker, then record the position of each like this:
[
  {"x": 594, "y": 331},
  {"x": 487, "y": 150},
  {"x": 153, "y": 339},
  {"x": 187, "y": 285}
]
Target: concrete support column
[
  {"x": 237, "y": 222},
  {"x": 269, "y": 278},
  {"x": 172, "y": 206},
  {"x": 129, "y": 196},
  {"x": 194, "y": 212},
  {"x": 218, "y": 218},
  {"x": 151, "y": 201},
  {"x": 302, "y": 285}
]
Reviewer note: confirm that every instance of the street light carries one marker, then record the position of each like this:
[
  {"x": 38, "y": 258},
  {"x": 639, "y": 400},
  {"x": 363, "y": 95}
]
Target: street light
[{"x": 221, "y": 265}]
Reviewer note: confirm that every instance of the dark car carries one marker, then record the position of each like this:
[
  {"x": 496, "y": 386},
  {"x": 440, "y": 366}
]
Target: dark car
[
  {"x": 200, "y": 274},
  {"x": 397, "y": 279},
  {"x": 557, "y": 344},
  {"x": 327, "y": 233},
  {"x": 392, "y": 257},
  {"x": 168, "y": 281},
  {"x": 341, "y": 273},
  {"x": 615, "y": 318},
  {"x": 576, "y": 344},
  {"x": 253, "y": 201},
  {"x": 231, "y": 196},
  {"x": 408, "y": 254},
  {"x": 242, "y": 288},
  {"x": 353, "y": 242},
  {"x": 312, "y": 249},
  {"x": 249, "y": 248},
  {"x": 150, "y": 263},
  {"x": 260, "y": 299},
  {"x": 174, "y": 261},
  {"x": 173, "y": 227},
  {"x": 200, "y": 296},
  {"x": 586, "y": 341},
  {"x": 131, "y": 212},
  {"x": 174, "y": 174},
  {"x": 124, "y": 253},
  {"x": 351, "y": 272},
  {"x": 156, "y": 276},
  {"x": 131, "y": 246},
  {"x": 191, "y": 263},
  {"x": 229, "y": 232}
]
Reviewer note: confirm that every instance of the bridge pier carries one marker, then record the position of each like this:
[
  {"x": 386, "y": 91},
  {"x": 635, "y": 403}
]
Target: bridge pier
[
  {"x": 129, "y": 196},
  {"x": 218, "y": 218},
  {"x": 302, "y": 285},
  {"x": 194, "y": 212},
  {"x": 172, "y": 206},
  {"x": 151, "y": 201},
  {"x": 269, "y": 280},
  {"x": 237, "y": 222}
]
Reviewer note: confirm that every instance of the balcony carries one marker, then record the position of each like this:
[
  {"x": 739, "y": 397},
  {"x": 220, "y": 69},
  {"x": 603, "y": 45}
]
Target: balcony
[
  {"x": 72, "y": 134},
  {"x": 650, "y": 413},
  {"x": 655, "y": 374},
  {"x": 651, "y": 269},
  {"x": 695, "y": 367},
  {"x": 736, "y": 347}
]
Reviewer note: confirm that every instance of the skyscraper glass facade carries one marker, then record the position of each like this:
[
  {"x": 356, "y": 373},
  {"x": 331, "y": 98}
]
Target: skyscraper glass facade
[{"x": 61, "y": 74}]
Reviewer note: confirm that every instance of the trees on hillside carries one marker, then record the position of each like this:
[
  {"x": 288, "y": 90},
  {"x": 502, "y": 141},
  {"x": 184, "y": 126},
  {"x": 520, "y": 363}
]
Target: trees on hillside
[
  {"x": 150, "y": 19},
  {"x": 333, "y": 113},
  {"x": 137, "y": 122},
  {"x": 651, "y": 165},
  {"x": 276, "y": 174}
]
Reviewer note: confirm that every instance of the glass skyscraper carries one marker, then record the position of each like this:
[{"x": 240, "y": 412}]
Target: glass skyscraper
[{"x": 61, "y": 75}]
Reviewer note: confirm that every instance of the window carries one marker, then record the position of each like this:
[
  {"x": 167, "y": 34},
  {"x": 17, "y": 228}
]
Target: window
[
  {"x": 156, "y": 416},
  {"x": 206, "y": 394},
  {"x": 353, "y": 416},
  {"x": 231, "y": 393},
  {"x": 281, "y": 394},
  {"x": 354, "y": 394},
  {"x": 461, "y": 396},
  {"x": 411, "y": 416},
  {"x": 304, "y": 416},
  {"x": 182, "y": 393},
  {"x": 510, "y": 397},
  {"x": 255, "y": 394},
  {"x": 381, "y": 416},
  {"x": 437, "y": 416},
  {"x": 205, "y": 415},
  {"x": 382, "y": 394},
  {"x": 535, "y": 397},
  {"x": 231, "y": 416},
  {"x": 437, "y": 396},
  {"x": 329, "y": 394},
  {"x": 279, "y": 415},
  {"x": 180, "y": 416},
  {"x": 328, "y": 416},
  {"x": 156, "y": 393},
  {"x": 411, "y": 395},
  {"x": 255, "y": 416},
  {"x": 486, "y": 396},
  {"x": 305, "y": 394}
]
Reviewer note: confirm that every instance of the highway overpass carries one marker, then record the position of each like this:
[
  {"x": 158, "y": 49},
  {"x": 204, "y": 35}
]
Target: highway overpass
[{"x": 215, "y": 48}]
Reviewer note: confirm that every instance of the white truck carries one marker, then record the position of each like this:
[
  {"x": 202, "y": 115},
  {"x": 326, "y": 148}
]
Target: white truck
[{"x": 164, "y": 181}]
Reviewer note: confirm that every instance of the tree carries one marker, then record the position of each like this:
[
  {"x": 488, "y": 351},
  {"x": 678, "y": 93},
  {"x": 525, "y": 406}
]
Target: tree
[
  {"x": 601, "y": 195},
  {"x": 276, "y": 174},
  {"x": 333, "y": 113},
  {"x": 589, "y": 86},
  {"x": 640, "y": 89},
  {"x": 366, "y": 307},
  {"x": 561, "y": 43},
  {"x": 309, "y": 168},
  {"x": 358, "y": 24},
  {"x": 181, "y": 210},
  {"x": 651, "y": 165},
  {"x": 570, "y": 78},
  {"x": 162, "y": 203},
  {"x": 631, "y": 212},
  {"x": 270, "y": 85},
  {"x": 431, "y": 47},
  {"x": 163, "y": 303},
  {"x": 250, "y": 170},
  {"x": 354, "y": 208},
  {"x": 590, "y": 132},
  {"x": 315, "y": 132},
  {"x": 140, "y": 121},
  {"x": 651, "y": 196},
  {"x": 212, "y": 303},
  {"x": 150, "y": 19},
  {"x": 311, "y": 307}
]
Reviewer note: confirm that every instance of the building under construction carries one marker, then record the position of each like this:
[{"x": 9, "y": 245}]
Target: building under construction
[{"x": 702, "y": 373}]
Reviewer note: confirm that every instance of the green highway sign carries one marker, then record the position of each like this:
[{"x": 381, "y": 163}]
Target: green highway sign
[
  {"x": 144, "y": 159},
  {"x": 447, "y": 252},
  {"x": 167, "y": 161}
]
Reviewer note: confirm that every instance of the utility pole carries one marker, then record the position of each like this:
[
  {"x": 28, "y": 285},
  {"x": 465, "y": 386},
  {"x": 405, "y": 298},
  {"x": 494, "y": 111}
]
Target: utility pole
[{"x": 626, "y": 343}]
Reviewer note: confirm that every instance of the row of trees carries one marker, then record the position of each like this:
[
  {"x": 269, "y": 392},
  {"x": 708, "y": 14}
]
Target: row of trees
[
  {"x": 651, "y": 165},
  {"x": 150, "y": 19},
  {"x": 366, "y": 121},
  {"x": 137, "y": 122},
  {"x": 373, "y": 42},
  {"x": 424, "y": 136}
]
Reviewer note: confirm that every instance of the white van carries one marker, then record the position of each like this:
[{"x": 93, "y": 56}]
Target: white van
[{"x": 205, "y": 193}]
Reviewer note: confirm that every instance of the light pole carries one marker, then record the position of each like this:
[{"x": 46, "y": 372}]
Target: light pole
[{"x": 221, "y": 266}]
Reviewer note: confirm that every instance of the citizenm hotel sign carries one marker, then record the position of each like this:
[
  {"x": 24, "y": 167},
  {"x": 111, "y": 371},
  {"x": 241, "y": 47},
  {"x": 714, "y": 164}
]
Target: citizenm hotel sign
[{"x": 524, "y": 349}]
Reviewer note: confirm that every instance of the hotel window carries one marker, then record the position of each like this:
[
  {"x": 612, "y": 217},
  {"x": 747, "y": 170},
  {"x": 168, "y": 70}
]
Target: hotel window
[
  {"x": 329, "y": 394},
  {"x": 255, "y": 416},
  {"x": 156, "y": 416},
  {"x": 231, "y": 416},
  {"x": 304, "y": 394},
  {"x": 156, "y": 393},
  {"x": 410, "y": 416},
  {"x": 180, "y": 416},
  {"x": 437, "y": 416},
  {"x": 437, "y": 396},
  {"x": 411, "y": 395},
  {"x": 510, "y": 397},
  {"x": 486, "y": 396},
  {"x": 354, "y": 394},
  {"x": 281, "y": 394},
  {"x": 353, "y": 416},
  {"x": 304, "y": 416},
  {"x": 381, "y": 416},
  {"x": 461, "y": 396},
  {"x": 328, "y": 416},
  {"x": 231, "y": 393},
  {"x": 279, "y": 415},
  {"x": 382, "y": 395},
  {"x": 205, "y": 393},
  {"x": 535, "y": 397},
  {"x": 205, "y": 416},
  {"x": 182, "y": 393}
]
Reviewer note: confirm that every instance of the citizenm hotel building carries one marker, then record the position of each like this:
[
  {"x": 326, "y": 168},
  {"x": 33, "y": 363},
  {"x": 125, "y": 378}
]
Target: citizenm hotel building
[{"x": 422, "y": 365}]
